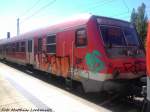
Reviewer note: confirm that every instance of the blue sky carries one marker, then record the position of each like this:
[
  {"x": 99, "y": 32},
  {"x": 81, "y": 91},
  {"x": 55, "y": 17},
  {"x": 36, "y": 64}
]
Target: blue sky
[{"x": 38, "y": 13}]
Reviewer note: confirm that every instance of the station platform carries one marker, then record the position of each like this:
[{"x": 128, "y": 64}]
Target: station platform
[
  {"x": 10, "y": 98},
  {"x": 20, "y": 92}
]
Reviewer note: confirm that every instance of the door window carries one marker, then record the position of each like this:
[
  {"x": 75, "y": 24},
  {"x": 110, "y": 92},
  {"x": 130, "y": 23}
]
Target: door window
[
  {"x": 29, "y": 45},
  {"x": 81, "y": 38}
]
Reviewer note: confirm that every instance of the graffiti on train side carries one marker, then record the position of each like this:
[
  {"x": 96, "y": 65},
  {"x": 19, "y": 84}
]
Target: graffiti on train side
[
  {"x": 61, "y": 65},
  {"x": 80, "y": 69},
  {"x": 89, "y": 65},
  {"x": 93, "y": 62},
  {"x": 134, "y": 67},
  {"x": 53, "y": 64}
]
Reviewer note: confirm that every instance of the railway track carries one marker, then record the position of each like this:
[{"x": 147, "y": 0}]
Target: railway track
[{"x": 116, "y": 103}]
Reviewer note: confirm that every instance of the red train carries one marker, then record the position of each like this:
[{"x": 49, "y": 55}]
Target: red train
[{"x": 100, "y": 53}]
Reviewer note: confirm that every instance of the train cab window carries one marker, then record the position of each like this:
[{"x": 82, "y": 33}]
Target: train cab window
[
  {"x": 81, "y": 38},
  {"x": 51, "y": 44},
  {"x": 22, "y": 47},
  {"x": 131, "y": 36},
  {"x": 112, "y": 36},
  {"x": 40, "y": 44}
]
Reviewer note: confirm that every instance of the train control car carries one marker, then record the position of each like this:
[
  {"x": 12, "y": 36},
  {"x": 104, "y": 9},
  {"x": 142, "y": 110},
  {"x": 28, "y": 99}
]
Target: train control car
[{"x": 98, "y": 53}]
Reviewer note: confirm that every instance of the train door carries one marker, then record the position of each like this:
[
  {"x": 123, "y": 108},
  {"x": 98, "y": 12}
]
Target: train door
[
  {"x": 39, "y": 53},
  {"x": 80, "y": 42},
  {"x": 80, "y": 48},
  {"x": 30, "y": 53}
]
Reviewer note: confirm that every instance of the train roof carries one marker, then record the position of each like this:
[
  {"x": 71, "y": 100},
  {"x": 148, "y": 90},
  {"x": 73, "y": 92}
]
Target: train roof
[
  {"x": 65, "y": 24},
  {"x": 79, "y": 21}
]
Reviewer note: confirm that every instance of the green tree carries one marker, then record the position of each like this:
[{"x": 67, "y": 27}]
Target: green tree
[
  {"x": 139, "y": 18},
  {"x": 133, "y": 16}
]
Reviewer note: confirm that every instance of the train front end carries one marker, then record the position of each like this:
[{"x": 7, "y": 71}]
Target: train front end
[{"x": 125, "y": 56}]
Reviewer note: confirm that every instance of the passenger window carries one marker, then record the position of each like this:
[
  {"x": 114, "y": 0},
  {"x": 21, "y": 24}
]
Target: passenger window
[
  {"x": 40, "y": 44},
  {"x": 17, "y": 47},
  {"x": 22, "y": 47},
  {"x": 14, "y": 47},
  {"x": 51, "y": 44},
  {"x": 81, "y": 38},
  {"x": 7, "y": 48}
]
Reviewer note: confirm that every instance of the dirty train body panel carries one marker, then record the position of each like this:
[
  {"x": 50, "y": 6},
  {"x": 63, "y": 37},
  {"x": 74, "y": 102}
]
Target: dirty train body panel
[{"x": 91, "y": 50}]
